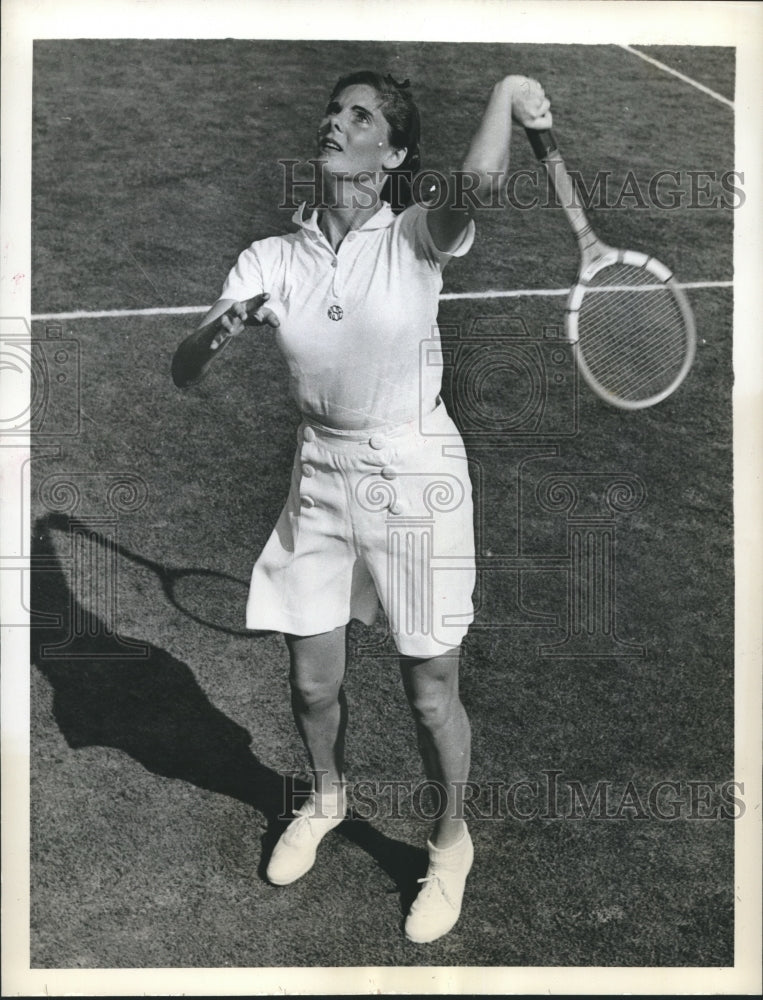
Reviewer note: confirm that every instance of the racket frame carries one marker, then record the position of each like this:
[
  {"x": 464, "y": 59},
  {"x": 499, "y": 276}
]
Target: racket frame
[
  {"x": 595, "y": 255},
  {"x": 664, "y": 277}
]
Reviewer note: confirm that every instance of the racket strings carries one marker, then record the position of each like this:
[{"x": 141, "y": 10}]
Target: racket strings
[
  {"x": 629, "y": 350},
  {"x": 606, "y": 360},
  {"x": 636, "y": 373},
  {"x": 631, "y": 333},
  {"x": 618, "y": 313}
]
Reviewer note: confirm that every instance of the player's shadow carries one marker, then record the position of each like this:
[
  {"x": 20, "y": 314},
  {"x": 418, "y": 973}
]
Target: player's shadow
[{"x": 153, "y": 709}]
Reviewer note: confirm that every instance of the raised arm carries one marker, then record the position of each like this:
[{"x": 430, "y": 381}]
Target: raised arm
[{"x": 486, "y": 165}]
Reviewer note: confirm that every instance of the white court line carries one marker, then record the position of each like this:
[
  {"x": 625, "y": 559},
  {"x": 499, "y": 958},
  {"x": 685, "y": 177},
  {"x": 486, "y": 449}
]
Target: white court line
[
  {"x": 511, "y": 293},
  {"x": 519, "y": 293},
  {"x": 121, "y": 313},
  {"x": 448, "y": 296},
  {"x": 681, "y": 76}
]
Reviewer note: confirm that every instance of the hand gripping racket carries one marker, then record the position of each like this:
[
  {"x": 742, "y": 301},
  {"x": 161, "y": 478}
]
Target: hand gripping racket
[
  {"x": 194, "y": 356},
  {"x": 631, "y": 325}
]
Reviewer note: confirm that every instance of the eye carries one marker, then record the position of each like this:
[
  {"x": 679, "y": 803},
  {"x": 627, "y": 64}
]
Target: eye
[{"x": 362, "y": 115}]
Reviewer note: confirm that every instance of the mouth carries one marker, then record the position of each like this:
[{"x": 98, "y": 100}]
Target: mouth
[{"x": 328, "y": 143}]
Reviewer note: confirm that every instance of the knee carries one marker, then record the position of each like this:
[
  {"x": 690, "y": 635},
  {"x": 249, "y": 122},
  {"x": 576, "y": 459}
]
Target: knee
[
  {"x": 311, "y": 693},
  {"x": 317, "y": 669},
  {"x": 434, "y": 708}
]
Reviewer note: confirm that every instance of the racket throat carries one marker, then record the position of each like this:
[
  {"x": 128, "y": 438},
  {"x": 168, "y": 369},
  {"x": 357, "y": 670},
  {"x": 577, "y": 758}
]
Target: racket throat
[{"x": 592, "y": 249}]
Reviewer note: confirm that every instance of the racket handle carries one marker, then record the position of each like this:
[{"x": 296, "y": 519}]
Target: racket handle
[
  {"x": 545, "y": 148},
  {"x": 542, "y": 141}
]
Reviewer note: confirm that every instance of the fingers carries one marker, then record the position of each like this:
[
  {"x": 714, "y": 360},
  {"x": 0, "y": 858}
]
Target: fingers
[
  {"x": 258, "y": 314},
  {"x": 253, "y": 312},
  {"x": 231, "y": 327},
  {"x": 543, "y": 120},
  {"x": 233, "y": 321},
  {"x": 530, "y": 106},
  {"x": 253, "y": 304},
  {"x": 267, "y": 317}
]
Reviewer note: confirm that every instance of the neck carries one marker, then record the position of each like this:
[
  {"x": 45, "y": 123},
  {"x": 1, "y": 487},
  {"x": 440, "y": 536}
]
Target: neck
[
  {"x": 335, "y": 222},
  {"x": 347, "y": 205}
]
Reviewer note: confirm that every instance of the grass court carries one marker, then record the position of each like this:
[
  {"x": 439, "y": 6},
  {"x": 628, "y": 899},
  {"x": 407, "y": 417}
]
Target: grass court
[{"x": 161, "y": 729}]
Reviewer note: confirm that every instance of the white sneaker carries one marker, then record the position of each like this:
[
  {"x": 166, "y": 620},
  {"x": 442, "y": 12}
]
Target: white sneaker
[
  {"x": 294, "y": 854},
  {"x": 438, "y": 904}
]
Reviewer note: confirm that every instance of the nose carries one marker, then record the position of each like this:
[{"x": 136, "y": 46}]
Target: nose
[
  {"x": 330, "y": 123},
  {"x": 334, "y": 121}
]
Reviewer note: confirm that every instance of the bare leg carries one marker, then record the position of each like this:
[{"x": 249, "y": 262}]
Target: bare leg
[
  {"x": 444, "y": 735},
  {"x": 320, "y": 711},
  {"x": 319, "y": 703}
]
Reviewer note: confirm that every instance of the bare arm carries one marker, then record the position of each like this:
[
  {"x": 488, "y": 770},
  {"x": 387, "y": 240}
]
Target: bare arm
[
  {"x": 486, "y": 165},
  {"x": 226, "y": 319}
]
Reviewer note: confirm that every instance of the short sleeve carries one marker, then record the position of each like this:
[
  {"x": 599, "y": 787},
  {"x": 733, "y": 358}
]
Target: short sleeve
[
  {"x": 245, "y": 280},
  {"x": 414, "y": 228}
]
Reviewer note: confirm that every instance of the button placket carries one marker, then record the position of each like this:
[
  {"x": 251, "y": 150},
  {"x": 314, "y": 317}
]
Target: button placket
[
  {"x": 306, "y": 469},
  {"x": 336, "y": 284},
  {"x": 381, "y": 456}
]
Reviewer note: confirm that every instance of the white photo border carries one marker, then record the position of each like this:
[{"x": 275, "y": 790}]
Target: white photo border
[{"x": 739, "y": 25}]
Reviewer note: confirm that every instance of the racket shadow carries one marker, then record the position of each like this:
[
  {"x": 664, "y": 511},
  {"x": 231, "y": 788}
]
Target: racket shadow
[
  {"x": 153, "y": 709},
  {"x": 206, "y": 596}
]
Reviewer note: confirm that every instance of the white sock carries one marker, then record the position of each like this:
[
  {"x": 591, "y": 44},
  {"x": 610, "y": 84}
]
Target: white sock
[
  {"x": 448, "y": 856},
  {"x": 329, "y": 805}
]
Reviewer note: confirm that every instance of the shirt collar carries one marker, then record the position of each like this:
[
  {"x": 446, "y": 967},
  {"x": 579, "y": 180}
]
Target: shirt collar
[{"x": 381, "y": 219}]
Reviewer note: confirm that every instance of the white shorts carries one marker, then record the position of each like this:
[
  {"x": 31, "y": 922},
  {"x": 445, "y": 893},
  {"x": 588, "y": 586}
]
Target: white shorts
[{"x": 373, "y": 516}]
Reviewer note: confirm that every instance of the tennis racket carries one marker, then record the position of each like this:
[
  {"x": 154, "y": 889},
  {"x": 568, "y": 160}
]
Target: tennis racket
[
  {"x": 197, "y": 352},
  {"x": 630, "y": 324}
]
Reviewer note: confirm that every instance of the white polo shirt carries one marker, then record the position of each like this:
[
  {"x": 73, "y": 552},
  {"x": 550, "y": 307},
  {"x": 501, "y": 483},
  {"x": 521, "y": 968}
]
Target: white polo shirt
[{"x": 352, "y": 321}]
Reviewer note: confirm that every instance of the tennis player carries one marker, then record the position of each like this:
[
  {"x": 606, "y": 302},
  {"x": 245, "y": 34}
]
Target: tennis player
[{"x": 379, "y": 510}]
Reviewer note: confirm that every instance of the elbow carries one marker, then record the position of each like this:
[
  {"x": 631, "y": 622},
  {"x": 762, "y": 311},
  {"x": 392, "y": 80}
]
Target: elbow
[{"x": 484, "y": 180}]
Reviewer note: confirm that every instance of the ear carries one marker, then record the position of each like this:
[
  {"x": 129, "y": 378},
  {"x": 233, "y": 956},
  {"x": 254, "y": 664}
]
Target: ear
[{"x": 395, "y": 158}]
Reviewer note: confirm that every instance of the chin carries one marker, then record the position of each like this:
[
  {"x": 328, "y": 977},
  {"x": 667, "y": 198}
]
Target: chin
[{"x": 324, "y": 160}]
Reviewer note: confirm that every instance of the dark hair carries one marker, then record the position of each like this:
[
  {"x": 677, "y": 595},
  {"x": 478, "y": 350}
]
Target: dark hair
[{"x": 402, "y": 116}]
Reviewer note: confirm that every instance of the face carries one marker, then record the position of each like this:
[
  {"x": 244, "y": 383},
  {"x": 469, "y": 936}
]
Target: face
[{"x": 353, "y": 137}]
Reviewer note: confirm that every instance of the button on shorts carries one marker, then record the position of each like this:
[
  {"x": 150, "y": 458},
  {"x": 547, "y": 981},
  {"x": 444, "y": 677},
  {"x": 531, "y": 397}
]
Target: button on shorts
[{"x": 373, "y": 517}]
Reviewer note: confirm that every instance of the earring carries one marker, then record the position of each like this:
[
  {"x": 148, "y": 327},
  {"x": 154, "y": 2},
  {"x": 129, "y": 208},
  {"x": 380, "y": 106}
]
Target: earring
[{"x": 381, "y": 144}]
